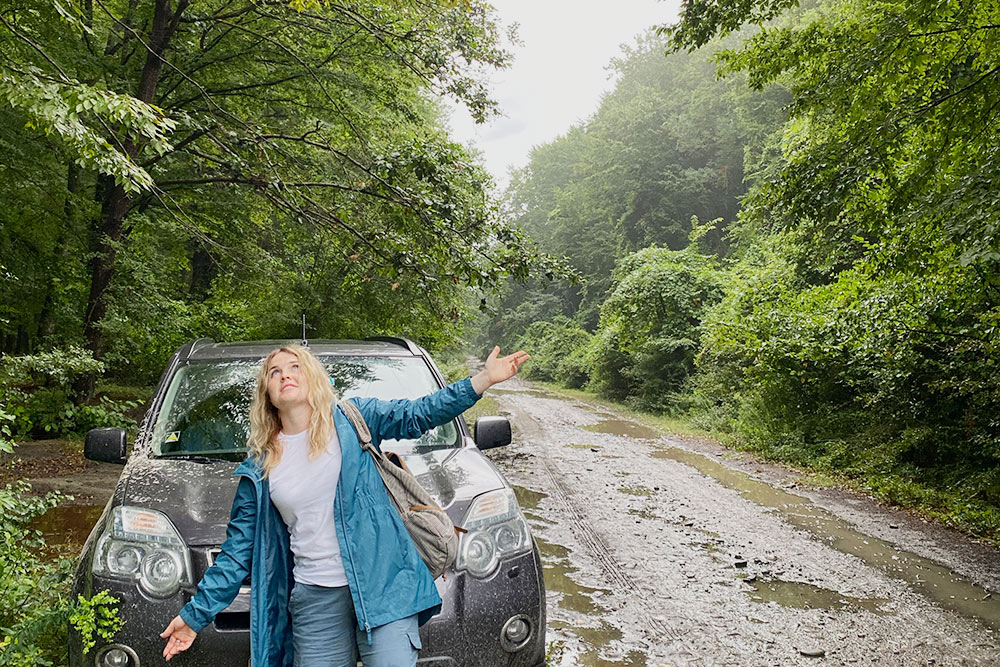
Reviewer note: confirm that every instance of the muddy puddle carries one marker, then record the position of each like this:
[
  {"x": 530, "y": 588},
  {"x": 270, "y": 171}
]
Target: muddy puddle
[
  {"x": 622, "y": 427},
  {"x": 593, "y": 650},
  {"x": 570, "y": 595},
  {"x": 800, "y": 595},
  {"x": 66, "y": 528},
  {"x": 591, "y": 642},
  {"x": 528, "y": 499},
  {"x": 556, "y": 562},
  {"x": 934, "y": 581}
]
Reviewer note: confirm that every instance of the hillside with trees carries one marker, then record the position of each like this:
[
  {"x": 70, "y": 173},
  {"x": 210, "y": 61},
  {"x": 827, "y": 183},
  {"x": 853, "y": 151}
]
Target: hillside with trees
[{"x": 801, "y": 255}]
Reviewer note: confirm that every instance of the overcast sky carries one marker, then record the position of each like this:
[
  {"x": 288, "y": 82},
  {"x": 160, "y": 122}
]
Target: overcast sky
[{"x": 559, "y": 72}]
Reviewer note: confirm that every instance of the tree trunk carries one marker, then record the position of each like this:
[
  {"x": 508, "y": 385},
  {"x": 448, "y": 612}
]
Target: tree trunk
[
  {"x": 117, "y": 201},
  {"x": 46, "y": 323},
  {"x": 203, "y": 271},
  {"x": 23, "y": 345}
]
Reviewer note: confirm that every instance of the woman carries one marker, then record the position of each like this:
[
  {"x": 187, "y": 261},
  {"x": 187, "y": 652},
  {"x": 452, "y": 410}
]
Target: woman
[{"x": 331, "y": 566}]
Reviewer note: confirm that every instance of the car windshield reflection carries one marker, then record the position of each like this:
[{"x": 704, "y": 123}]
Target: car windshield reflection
[{"x": 206, "y": 410}]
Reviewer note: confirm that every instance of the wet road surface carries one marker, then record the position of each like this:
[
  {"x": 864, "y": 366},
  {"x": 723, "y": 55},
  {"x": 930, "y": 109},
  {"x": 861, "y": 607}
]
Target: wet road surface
[{"x": 661, "y": 551}]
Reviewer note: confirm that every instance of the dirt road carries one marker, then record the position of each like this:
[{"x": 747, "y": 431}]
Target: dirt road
[{"x": 660, "y": 551}]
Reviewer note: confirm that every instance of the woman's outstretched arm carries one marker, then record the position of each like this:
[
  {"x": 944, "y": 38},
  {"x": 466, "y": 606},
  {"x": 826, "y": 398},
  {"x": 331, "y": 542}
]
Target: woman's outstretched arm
[
  {"x": 403, "y": 418},
  {"x": 221, "y": 583}
]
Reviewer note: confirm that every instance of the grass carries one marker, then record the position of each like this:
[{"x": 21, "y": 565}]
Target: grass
[{"x": 485, "y": 407}]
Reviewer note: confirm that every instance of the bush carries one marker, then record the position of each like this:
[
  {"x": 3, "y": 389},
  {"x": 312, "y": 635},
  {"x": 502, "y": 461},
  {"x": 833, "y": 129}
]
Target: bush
[
  {"x": 38, "y": 392},
  {"x": 557, "y": 350},
  {"x": 888, "y": 377},
  {"x": 649, "y": 329},
  {"x": 35, "y": 606}
]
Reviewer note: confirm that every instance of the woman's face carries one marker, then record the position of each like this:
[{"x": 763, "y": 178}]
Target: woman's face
[{"x": 285, "y": 386}]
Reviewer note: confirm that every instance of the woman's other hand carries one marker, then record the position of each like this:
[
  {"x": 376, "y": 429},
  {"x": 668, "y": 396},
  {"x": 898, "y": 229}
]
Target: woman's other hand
[
  {"x": 498, "y": 369},
  {"x": 179, "y": 637}
]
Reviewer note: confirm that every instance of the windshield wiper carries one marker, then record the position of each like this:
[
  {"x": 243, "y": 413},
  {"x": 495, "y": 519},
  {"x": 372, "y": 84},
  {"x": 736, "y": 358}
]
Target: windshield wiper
[{"x": 195, "y": 458}]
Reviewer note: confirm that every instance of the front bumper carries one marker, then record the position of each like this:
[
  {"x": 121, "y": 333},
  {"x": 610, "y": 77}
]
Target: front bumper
[{"x": 466, "y": 633}]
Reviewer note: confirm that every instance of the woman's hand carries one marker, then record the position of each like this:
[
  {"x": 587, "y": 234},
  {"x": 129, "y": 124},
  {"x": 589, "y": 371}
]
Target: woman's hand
[
  {"x": 497, "y": 369},
  {"x": 179, "y": 636}
]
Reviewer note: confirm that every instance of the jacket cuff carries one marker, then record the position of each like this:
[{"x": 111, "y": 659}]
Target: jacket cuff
[
  {"x": 470, "y": 391},
  {"x": 192, "y": 618}
]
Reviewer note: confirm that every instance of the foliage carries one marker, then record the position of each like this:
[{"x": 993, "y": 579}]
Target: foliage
[
  {"x": 859, "y": 331},
  {"x": 702, "y": 20},
  {"x": 6, "y": 441},
  {"x": 226, "y": 167},
  {"x": 38, "y": 392},
  {"x": 558, "y": 348},
  {"x": 34, "y": 603},
  {"x": 97, "y": 615},
  {"x": 667, "y": 143},
  {"x": 647, "y": 339},
  {"x": 78, "y": 114}
]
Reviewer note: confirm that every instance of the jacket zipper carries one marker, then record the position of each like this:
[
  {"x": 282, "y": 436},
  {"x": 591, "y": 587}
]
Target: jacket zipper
[{"x": 357, "y": 584}]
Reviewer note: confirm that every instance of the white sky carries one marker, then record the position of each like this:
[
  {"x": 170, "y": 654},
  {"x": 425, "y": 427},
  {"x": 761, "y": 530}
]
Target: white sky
[{"x": 558, "y": 74}]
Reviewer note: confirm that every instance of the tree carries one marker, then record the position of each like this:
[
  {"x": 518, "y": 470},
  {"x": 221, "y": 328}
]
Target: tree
[
  {"x": 879, "y": 331},
  {"x": 212, "y": 132}
]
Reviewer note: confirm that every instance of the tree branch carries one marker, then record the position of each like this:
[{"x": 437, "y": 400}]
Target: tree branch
[{"x": 944, "y": 98}]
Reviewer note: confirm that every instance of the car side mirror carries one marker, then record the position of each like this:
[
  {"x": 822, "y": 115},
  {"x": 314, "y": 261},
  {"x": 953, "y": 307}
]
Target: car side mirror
[
  {"x": 105, "y": 444},
  {"x": 492, "y": 432}
]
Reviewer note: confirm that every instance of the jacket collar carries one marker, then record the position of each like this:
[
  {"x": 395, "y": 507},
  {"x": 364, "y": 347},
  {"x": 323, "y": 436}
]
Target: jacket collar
[{"x": 250, "y": 468}]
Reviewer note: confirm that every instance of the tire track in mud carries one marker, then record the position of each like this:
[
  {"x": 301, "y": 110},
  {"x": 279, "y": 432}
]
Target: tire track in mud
[{"x": 598, "y": 548}]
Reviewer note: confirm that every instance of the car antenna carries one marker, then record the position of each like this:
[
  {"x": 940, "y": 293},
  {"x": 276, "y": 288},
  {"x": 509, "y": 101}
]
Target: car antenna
[{"x": 305, "y": 343}]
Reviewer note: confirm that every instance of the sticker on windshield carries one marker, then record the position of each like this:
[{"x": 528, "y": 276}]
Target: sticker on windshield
[{"x": 173, "y": 436}]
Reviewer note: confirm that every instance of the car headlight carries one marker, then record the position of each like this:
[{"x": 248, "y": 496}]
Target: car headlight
[
  {"x": 140, "y": 544},
  {"x": 496, "y": 530}
]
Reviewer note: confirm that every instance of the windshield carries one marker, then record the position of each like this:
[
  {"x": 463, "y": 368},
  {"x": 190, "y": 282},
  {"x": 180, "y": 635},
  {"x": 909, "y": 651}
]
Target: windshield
[{"x": 207, "y": 406}]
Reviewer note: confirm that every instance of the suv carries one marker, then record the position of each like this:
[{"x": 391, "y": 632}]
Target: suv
[{"x": 167, "y": 517}]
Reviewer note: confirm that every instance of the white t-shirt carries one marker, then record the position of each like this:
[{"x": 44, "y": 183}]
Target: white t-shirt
[{"x": 303, "y": 491}]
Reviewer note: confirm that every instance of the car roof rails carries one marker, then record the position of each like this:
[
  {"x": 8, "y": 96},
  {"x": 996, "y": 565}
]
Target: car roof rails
[
  {"x": 402, "y": 342},
  {"x": 195, "y": 344}
]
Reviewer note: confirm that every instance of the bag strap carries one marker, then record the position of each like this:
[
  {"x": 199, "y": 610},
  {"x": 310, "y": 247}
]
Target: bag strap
[
  {"x": 382, "y": 460},
  {"x": 360, "y": 426},
  {"x": 378, "y": 458}
]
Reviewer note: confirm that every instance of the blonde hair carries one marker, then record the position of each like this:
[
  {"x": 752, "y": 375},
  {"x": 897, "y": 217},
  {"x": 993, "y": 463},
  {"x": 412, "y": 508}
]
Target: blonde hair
[{"x": 265, "y": 424}]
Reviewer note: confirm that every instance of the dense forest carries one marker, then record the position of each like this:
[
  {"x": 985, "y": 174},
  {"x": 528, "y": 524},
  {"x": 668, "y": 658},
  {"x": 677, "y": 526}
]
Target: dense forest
[
  {"x": 782, "y": 225},
  {"x": 789, "y": 235},
  {"x": 174, "y": 169}
]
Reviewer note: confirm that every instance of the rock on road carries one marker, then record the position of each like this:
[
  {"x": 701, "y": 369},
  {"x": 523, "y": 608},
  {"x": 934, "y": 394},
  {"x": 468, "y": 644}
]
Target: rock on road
[{"x": 660, "y": 551}]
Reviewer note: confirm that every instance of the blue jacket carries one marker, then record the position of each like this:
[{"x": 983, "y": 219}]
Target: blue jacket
[{"x": 386, "y": 576}]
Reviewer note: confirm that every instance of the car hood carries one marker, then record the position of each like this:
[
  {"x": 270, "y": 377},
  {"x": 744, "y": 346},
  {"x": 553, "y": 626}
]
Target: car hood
[{"x": 197, "y": 497}]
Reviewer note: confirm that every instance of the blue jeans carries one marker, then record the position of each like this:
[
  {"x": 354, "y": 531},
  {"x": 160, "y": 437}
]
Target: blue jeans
[{"x": 325, "y": 632}]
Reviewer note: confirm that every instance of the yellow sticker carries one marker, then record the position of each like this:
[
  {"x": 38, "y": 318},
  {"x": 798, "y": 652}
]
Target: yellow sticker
[{"x": 173, "y": 436}]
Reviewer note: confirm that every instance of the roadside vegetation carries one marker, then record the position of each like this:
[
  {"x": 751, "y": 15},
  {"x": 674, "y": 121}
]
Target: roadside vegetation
[
  {"x": 781, "y": 227},
  {"x": 841, "y": 311},
  {"x": 36, "y": 609}
]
